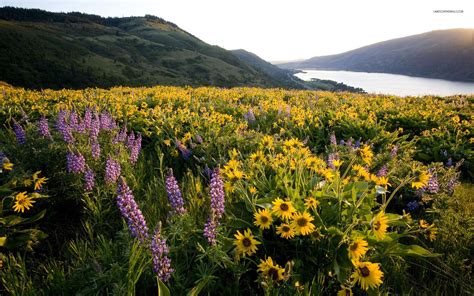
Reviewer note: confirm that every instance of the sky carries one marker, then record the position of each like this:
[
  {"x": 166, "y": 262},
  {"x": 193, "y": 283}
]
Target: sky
[{"x": 279, "y": 30}]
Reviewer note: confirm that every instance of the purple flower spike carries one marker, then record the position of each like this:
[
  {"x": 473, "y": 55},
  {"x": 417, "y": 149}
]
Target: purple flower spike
[
  {"x": 210, "y": 231},
  {"x": 43, "y": 128},
  {"x": 174, "y": 195},
  {"x": 394, "y": 151},
  {"x": 433, "y": 185},
  {"x": 331, "y": 158},
  {"x": 19, "y": 133},
  {"x": 112, "y": 170},
  {"x": 332, "y": 139},
  {"x": 383, "y": 171},
  {"x": 216, "y": 192},
  {"x": 131, "y": 212},
  {"x": 89, "y": 180},
  {"x": 159, "y": 251},
  {"x": 76, "y": 162},
  {"x": 135, "y": 151},
  {"x": 95, "y": 149}
]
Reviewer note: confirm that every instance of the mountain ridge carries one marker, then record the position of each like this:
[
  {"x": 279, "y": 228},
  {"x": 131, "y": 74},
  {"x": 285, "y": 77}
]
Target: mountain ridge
[
  {"x": 41, "y": 49},
  {"x": 444, "y": 54}
]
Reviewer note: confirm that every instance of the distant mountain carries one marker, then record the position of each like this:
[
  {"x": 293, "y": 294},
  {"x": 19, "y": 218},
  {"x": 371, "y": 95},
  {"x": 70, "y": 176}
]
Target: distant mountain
[
  {"x": 445, "y": 54},
  {"x": 283, "y": 76},
  {"x": 40, "y": 49}
]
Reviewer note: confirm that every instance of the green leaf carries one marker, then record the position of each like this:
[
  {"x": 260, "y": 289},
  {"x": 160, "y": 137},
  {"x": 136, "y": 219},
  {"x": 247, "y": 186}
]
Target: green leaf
[
  {"x": 162, "y": 288},
  {"x": 198, "y": 288},
  {"x": 13, "y": 220},
  {"x": 23, "y": 237},
  {"x": 411, "y": 250}
]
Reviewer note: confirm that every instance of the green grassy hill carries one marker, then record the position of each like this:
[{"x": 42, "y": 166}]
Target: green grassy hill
[
  {"x": 40, "y": 49},
  {"x": 445, "y": 54}
]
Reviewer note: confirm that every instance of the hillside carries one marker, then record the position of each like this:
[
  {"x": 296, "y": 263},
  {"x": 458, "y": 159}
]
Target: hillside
[
  {"x": 283, "y": 76},
  {"x": 445, "y": 54},
  {"x": 40, "y": 49}
]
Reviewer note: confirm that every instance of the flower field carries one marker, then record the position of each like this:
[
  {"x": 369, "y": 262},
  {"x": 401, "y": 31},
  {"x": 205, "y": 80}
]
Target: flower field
[{"x": 209, "y": 191}]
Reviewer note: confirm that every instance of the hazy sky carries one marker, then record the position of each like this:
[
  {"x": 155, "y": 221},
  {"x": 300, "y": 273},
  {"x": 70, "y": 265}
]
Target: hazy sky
[{"x": 284, "y": 30}]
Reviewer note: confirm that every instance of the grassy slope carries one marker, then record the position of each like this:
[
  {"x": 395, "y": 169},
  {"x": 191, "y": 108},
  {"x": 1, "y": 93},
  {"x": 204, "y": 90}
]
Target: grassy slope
[
  {"x": 447, "y": 54},
  {"x": 75, "y": 51}
]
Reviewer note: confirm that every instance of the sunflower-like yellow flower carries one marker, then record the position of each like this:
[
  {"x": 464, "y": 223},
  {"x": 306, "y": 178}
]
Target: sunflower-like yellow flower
[
  {"x": 39, "y": 183},
  {"x": 311, "y": 203},
  {"x": 421, "y": 179},
  {"x": 286, "y": 231},
  {"x": 302, "y": 223},
  {"x": 263, "y": 219},
  {"x": 345, "y": 291},
  {"x": 337, "y": 163},
  {"x": 366, "y": 154},
  {"x": 357, "y": 249},
  {"x": 27, "y": 182},
  {"x": 271, "y": 270},
  {"x": 22, "y": 202},
  {"x": 246, "y": 243},
  {"x": 431, "y": 232},
  {"x": 382, "y": 181},
  {"x": 367, "y": 274},
  {"x": 423, "y": 224},
  {"x": 7, "y": 166},
  {"x": 283, "y": 208},
  {"x": 380, "y": 225}
]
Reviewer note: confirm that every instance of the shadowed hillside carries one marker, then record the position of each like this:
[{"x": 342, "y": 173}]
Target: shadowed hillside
[{"x": 445, "y": 54}]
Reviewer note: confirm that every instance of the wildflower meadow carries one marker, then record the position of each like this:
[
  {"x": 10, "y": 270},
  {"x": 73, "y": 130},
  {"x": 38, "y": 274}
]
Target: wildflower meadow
[{"x": 242, "y": 191}]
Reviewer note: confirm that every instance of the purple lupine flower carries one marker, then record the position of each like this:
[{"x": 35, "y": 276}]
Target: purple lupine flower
[
  {"x": 433, "y": 185},
  {"x": 349, "y": 143},
  {"x": 89, "y": 180},
  {"x": 174, "y": 194},
  {"x": 449, "y": 163},
  {"x": 383, "y": 171},
  {"x": 342, "y": 143},
  {"x": 73, "y": 120},
  {"x": 106, "y": 121},
  {"x": 121, "y": 136},
  {"x": 394, "y": 151},
  {"x": 451, "y": 185},
  {"x": 199, "y": 139},
  {"x": 76, "y": 162},
  {"x": 161, "y": 261},
  {"x": 185, "y": 152},
  {"x": 112, "y": 170},
  {"x": 130, "y": 140},
  {"x": 131, "y": 212},
  {"x": 95, "y": 126},
  {"x": 61, "y": 120},
  {"x": 95, "y": 149},
  {"x": 332, "y": 139},
  {"x": 249, "y": 116},
  {"x": 210, "y": 231},
  {"x": 67, "y": 134},
  {"x": 19, "y": 133},
  {"x": 357, "y": 143},
  {"x": 87, "y": 120},
  {"x": 43, "y": 128},
  {"x": 331, "y": 158},
  {"x": 137, "y": 146},
  {"x": 216, "y": 192},
  {"x": 412, "y": 205}
]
